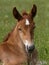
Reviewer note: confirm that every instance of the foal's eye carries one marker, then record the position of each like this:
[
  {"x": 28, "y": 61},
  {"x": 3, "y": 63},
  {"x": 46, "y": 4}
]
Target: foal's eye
[{"x": 19, "y": 29}]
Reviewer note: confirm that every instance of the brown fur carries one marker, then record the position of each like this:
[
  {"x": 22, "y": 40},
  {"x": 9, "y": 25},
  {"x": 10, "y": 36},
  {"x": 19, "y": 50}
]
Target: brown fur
[{"x": 12, "y": 50}]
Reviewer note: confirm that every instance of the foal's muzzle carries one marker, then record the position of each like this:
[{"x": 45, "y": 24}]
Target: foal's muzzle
[{"x": 30, "y": 49}]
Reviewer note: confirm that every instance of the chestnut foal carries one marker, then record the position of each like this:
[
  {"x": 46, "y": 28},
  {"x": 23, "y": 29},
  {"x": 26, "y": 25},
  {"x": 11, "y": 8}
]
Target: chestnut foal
[{"x": 18, "y": 48}]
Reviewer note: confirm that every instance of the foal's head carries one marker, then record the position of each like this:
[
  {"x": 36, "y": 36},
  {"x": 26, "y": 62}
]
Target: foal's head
[{"x": 25, "y": 27}]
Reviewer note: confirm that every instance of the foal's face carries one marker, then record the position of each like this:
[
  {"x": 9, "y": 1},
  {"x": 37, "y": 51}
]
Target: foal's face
[
  {"x": 26, "y": 32},
  {"x": 25, "y": 28}
]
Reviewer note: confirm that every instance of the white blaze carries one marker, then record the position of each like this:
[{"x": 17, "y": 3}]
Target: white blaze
[
  {"x": 27, "y": 22},
  {"x": 27, "y": 43}
]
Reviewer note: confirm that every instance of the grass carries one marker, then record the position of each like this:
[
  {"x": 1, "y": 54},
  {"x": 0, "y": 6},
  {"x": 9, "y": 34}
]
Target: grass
[{"x": 7, "y": 22}]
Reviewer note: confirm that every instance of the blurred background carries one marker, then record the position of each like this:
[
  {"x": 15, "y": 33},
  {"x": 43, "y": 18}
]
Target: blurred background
[{"x": 41, "y": 36}]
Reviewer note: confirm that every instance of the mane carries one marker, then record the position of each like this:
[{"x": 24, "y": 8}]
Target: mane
[{"x": 24, "y": 13}]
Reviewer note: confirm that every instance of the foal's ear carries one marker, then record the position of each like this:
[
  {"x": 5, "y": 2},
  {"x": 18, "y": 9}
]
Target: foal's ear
[
  {"x": 17, "y": 14},
  {"x": 33, "y": 11}
]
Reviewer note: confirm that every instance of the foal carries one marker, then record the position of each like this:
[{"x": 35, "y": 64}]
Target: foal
[{"x": 18, "y": 47}]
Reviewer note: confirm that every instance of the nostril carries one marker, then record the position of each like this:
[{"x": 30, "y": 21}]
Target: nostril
[{"x": 31, "y": 49}]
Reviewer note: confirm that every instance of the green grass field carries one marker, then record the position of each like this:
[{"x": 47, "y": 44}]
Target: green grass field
[{"x": 41, "y": 37}]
